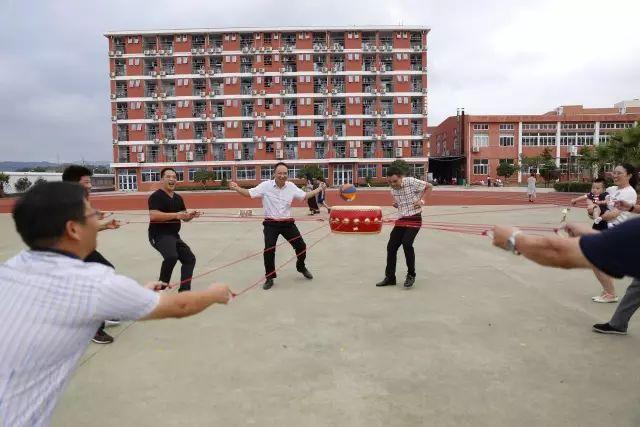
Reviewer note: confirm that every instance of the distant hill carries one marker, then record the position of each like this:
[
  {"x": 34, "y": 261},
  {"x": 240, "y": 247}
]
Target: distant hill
[{"x": 14, "y": 166}]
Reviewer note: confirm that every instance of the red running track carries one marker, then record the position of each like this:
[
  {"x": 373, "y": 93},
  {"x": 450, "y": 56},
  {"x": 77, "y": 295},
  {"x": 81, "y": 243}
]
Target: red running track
[{"x": 227, "y": 199}]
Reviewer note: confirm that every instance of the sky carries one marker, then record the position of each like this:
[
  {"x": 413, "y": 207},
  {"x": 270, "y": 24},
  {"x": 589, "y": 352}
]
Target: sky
[{"x": 490, "y": 57}]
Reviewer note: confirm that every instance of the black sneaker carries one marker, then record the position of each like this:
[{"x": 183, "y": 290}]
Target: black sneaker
[
  {"x": 409, "y": 281},
  {"x": 101, "y": 337},
  {"x": 606, "y": 328},
  {"x": 306, "y": 273},
  {"x": 387, "y": 282},
  {"x": 268, "y": 284}
]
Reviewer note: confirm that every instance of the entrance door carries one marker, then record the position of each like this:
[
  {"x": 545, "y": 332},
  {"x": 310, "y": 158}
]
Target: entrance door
[
  {"x": 343, "y": 174},
  {"x": 127, "y": 181}
]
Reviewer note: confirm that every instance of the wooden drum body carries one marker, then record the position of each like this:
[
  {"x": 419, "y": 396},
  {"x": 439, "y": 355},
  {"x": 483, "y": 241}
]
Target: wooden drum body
[{"x": 356, "y": 219}]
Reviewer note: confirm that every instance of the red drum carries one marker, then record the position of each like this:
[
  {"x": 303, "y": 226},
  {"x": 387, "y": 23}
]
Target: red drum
[{"x": 356, "y": 219}]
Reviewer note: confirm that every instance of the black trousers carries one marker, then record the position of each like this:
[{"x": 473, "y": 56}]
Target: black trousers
[
  {"x": 173, "y": 249},
  {"x": 313, "y": 204},
  {"x": 96, "y": 256},
  {"x": 403, "y": 236},
  {"x": 288, "y": 230}
]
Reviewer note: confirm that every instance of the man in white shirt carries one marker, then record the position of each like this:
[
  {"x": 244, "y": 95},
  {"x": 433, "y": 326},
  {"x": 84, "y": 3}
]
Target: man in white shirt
[
  {"x": 51, "y": 302},
  {"x": 277, "y": 195},
  {"x": 408, "y": 196}
]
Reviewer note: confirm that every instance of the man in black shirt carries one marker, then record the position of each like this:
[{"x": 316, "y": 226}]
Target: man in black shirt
[
  {"x": 82, "y": 175},
  {"x": 166, "y": 211},
  {"x": 613, "y": 251}
]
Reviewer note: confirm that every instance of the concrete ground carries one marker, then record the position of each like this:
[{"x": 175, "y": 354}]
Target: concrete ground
[{"x": 484, "y": 339}]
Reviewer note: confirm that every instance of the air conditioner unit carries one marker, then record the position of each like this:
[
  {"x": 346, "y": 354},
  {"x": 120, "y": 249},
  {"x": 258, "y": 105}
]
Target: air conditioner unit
[
  {"x": 334, "y": 91},
  {"x": 279, "y": 154},
  {"x": 398, "y": 152},
  {"x": 325, "y": 69},
  {"x": 269, "y": 49},
  {"x": 245, "y": 50},
  {"x": 201, "y": 50},
  {"x": 334, "y": 137},
  {"x": 203, "y": 93},
  {"x": 262, "y": 49},
  {"x": 256, "y": 138},
  {"x": 212, "y": 93},
  {"x": 156, "y": 117},
  {"x": 326, "y": 113},
  {"x": 255, "y": 114},
  {"x": 289, "y": 48},
  {"x": 189, "y": 156},
  {"x": 263, "y": 138},
  {"x": 213, "y": 139},
  {"x": 168, "y": 51},
  {"x": 475, "y": 149},
  {"x": 282, "y": 49},
  {"x": 218, "y": 50},
  {"x": 214, "y": 115},
  {"x": 238, "y": 154},
  {"x": 424, "y": 90},
  {"x": 254, "y": 70},
  {"x": 211, "y": 50},
  {"x": 263, "y": 114},
  {"x": 424, "y": 68},
  {"x": 253, "y": 49},
  {"x": 261, "y": 70},
  {"x": 118, "y": 53},
  {"x": 283, "y": 92},
  {"x": 334, "y": 113},
  {"x": 140, "y": 157},
  {"x": 194, "y": 50},
  {"x": 212, "y": 72},
  {"x": 354, "y": 152},
  {"x": 202, "y": 71},
  {"x": 162, "y": 73},
  {"x": 283, "y": 137},
  {"x": 325, "y": 91},
  {"x": 113, "y": 74},
  {"x": 282, "y": 114},
  {"x": 115, "y": 141},
  {"x": 374, "y": 69},
  {"x": 154, "y": 95},
  {"x": 416, "y": 48},
  {"x": 163, "y": 94},
  {"x": 203, "y": 116},
  {"x": 383, "y": 113},
  {"x": 165, "y": 140},
  {"x": 316, "y": 48},
  {"x": 112, "y": 53},
  {"x": 325, "y": 137},
  {"x": 164, "y": 117},
  {"x": 283, "y": 70},
  {"x": 161, "y": 51},
  {"x": 113, "y": 96},
  {"x": 204, "y": 139},
  {"x": 263, "y": 92},
  {"x": 156, "y": 141},
  {"x": 383, "y": 136},
  {"x": 114, "y": 118}
]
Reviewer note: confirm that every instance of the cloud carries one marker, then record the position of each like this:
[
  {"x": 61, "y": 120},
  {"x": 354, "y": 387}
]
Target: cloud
[{"x": 491, "y": 57}]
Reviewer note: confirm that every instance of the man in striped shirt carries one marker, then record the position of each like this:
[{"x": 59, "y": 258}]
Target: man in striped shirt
[
  {"x": 51, "y": 302},
  {"x": 408, "y": 196}
]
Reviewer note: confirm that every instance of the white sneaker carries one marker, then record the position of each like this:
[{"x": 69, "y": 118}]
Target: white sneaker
[
  {"x": 110, "y": 323},
  {"x": 605, "y": 298}
]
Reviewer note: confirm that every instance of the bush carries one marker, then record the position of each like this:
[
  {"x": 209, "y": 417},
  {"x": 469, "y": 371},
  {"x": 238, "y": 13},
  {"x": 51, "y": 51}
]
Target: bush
[
  {"x": 572, "y": 187},
  {"x": 22, "y": 184}
]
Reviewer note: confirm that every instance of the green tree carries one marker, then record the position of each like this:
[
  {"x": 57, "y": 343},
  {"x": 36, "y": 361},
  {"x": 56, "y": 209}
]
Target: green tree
[
  {"x": 203, "y": 176},
  {"x": 22, "y": 184},
  {"x": 312, "y": 170},
  {"x": 40, "y": 181},
  {"x": 622, "y": 147},
  {"x": 506, "y": 170},
  {"x": 4, "y": 179}
]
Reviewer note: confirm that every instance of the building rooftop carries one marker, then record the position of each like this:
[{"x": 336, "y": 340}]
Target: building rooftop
[{"x": 263, "y": 29}]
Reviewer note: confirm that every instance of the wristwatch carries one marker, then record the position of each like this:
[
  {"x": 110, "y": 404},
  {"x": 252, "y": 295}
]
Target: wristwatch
[{"x": 511, "y": 242}]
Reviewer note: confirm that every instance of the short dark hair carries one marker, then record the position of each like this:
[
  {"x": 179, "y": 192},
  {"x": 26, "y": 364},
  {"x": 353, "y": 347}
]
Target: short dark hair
[
  {"x": 41, "y": 215},
  {"x": 394, "y": 170},
  {"x": 600, "y": 181},
  {"x": 167, "y": 169},
  {"x": 73, "y": 173},
  {"x": 280, "y": 164}
]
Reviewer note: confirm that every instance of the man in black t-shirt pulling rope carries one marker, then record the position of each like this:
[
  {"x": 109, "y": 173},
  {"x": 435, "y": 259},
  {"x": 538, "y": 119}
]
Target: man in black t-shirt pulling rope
[{"x": 166, "y": 212}]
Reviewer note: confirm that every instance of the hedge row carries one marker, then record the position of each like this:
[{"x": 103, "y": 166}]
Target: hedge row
[{"x": 572, "y": 187}]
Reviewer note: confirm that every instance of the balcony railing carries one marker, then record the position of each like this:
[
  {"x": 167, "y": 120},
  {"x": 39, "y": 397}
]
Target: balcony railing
[
  {"x": 387, "y": 153},
  {"x": 246, "y": 90}
]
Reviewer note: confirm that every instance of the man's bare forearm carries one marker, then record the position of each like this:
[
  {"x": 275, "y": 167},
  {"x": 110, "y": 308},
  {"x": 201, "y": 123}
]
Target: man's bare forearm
[{"x": 552, "y": 251}]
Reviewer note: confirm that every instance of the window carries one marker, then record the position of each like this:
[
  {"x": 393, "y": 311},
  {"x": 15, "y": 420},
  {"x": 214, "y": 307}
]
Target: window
[
  {"x": 367, "y": 171},
  {"x": 509, "y": 161},
  {"x": 180, "y": 175},
  {"x": 293, "y": 171},
  {"x": 507, "y": 126},
  {"x": 385, "y": 168},
  {"x": 480, "y": 166},
  {"x": 150, "y": 176},
  {"x": 506, "y": 140},
  {"x": 622, "y": 125},
  {"x": 325, "y": 171},
  {"x": 480, "y": 140},
  {"x": 245, "y": 173},
  {"x": 266, "y": 172},
  {"x": 222, "y": 173},
  {"x": 480, "y": 126},
  {"x": 416, "y": 170}
]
